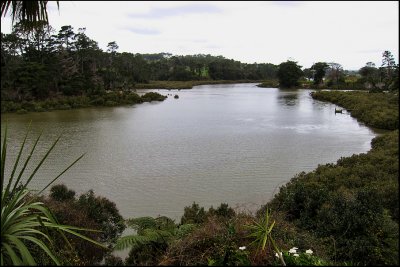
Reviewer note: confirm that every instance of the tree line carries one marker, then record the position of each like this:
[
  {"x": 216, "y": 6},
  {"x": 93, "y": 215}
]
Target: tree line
[
  {"x": 332, "y": 75},
  {"x": 42, "y": 63}
]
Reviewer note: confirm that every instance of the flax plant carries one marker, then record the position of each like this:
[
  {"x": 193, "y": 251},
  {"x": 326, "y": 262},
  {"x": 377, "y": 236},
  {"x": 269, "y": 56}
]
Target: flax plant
[
  {"x": 25, "y": 221},
  {"x": 261, "y": 232}
]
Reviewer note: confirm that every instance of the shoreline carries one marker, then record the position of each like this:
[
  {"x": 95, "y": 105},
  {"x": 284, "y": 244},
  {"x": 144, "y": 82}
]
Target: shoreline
[{"x": 84, "y": 101}]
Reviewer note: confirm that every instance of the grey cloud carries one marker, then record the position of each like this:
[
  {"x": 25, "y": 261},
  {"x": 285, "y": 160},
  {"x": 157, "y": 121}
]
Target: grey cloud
[
  {"x": 157, "y": 13},
  {"x": 145, "y": 31}
]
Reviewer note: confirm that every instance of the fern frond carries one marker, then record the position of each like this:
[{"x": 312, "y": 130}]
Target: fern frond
[
  {"x": 141, "y": 223},
  {"x": 131, "y": 241},
  {"x": 184, "y": 229}
]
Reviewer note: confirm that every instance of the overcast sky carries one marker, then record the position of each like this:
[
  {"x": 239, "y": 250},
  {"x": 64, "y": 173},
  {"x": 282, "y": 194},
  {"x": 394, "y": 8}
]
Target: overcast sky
[{"x": 349, "y": 33}]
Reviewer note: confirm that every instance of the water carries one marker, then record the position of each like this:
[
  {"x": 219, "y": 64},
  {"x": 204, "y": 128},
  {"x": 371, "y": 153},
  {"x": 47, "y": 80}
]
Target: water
[{"x": 217, "y": 143}]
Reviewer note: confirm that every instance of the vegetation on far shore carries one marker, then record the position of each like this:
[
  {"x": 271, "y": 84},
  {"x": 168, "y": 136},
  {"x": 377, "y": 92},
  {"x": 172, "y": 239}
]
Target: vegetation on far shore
[{"x": 70, "y": 102}]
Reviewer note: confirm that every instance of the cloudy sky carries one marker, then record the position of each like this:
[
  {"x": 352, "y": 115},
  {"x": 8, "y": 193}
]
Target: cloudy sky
[{"x": 349, "y": 33}]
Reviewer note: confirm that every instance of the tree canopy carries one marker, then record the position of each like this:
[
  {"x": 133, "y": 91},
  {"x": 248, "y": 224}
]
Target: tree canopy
[{"x": 289, "y": 74}]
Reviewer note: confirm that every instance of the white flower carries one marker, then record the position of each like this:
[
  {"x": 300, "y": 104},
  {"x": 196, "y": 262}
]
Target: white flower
[
  {"x": 296, "y": 255},
  {"x": 242, "y": 248},
  {"x": 292, "y": 250},
  {"x": 309, "y": 251},
  {"x": 276, "y": 254}
]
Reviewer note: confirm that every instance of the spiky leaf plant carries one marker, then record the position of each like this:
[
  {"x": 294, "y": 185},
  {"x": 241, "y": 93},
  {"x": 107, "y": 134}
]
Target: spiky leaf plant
[
  {"x": 261, "y": 232},
  {"x": 24, "y": 220}
]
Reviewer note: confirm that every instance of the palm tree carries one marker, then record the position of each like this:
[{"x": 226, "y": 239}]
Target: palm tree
[{"x": 30, "y": 13}]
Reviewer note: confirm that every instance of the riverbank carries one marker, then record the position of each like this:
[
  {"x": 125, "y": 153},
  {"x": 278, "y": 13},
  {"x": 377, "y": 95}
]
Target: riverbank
[
  {"x": 72, "y": 102},
  {"x": 107, "y": 99},
  {"x": 310, "y": 85},
  {"x": 186, "y": 84},
  {"x": 378, "y": 110}
]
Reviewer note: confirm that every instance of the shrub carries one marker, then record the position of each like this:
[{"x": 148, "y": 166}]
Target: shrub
[{"x": 61, "y": 193}]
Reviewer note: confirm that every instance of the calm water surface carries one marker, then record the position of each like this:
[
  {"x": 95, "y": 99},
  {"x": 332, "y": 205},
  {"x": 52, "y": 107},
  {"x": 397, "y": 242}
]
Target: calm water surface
[{"x": 217, "y": 143}]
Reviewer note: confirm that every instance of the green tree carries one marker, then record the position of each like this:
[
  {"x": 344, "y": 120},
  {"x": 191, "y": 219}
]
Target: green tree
[
  {"x": 66, "y": 35},
  {"x": 335, "y": 73},
  {"x": 289, "y": 74},
  {"x": 319, "y": 72},
  {"x": 370, "y": 74},
  {"x": 389, "y": 67},
  {"x": 193, "y": 214}
]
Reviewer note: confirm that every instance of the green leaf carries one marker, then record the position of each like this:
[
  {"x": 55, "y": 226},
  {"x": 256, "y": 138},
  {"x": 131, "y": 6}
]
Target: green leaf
[
  {"x": 14, "y": 258},
  {"x": 43, "y": 246},
  {"x": 25, "y": 254}
]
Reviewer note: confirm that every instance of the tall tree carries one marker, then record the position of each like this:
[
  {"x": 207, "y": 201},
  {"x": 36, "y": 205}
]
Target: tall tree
[
  {"x": 388, "y": 65},
  {"x": 370, "y": 74},
  {"x": 289, "y": 74},
  {"x": 319, "y": 72},
  {"x": 335, "y": 72}
]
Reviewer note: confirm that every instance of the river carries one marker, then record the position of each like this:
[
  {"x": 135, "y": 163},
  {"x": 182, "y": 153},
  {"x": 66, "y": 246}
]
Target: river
[{"x": 233, "y": 143}]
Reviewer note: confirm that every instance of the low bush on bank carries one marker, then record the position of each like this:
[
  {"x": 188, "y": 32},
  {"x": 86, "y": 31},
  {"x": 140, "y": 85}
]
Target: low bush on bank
[
  {"x": 379, "y": 110},
  {"x": 351, "y": 206},
  {"x": 72, "y": 102}
]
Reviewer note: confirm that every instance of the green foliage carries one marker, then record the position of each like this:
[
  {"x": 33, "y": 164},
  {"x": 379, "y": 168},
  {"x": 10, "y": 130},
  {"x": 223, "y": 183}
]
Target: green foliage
[
  {"x": 352, "y": 206},
  {"x": 69, "y": 102},
  {"x": 24, "y": 221},
  {"x": 152, "y": 96},
  {"x": 223, "y": 211},
  {"x": 152, "y": 238},
  {"x": 296, "y": 258},
  {"x": 379, "y": 110},
  {"x": 193, "y": 214},
  {"x": 260, "y": 231},
  {"x": 217, "y": 241},
  {"x": 233, "y": 257},
  {"x": 319, "y": 69},
  {"x": 61, "y": 193},
  {"x": 105, "y": 213},
  {"x": 289, "y": 74}
]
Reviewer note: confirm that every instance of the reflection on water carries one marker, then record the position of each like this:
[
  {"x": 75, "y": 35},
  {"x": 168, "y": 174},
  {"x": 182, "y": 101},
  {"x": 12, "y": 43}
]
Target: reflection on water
[
  {"x": 288, "y": 97},
  {"x": 216, "y": 143}
]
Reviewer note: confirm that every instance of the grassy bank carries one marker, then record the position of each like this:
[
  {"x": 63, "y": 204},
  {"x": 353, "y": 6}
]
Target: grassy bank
[
  {"x": 185, "y": 84},
  {"x": 72, "y": 102},
  {"x": 379, "y": 110}
]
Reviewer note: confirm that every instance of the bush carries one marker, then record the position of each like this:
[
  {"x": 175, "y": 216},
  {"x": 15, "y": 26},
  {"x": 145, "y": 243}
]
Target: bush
[
  {"x": 152, "y": 96},
  {"x": 61, "y": 193},
  {"x": 193, "y": 214},
  {"x": 352, "y": 206}
]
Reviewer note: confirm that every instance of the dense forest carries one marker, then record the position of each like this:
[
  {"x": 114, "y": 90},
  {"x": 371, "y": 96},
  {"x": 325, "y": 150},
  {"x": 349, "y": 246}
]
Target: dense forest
[{"x": 41, "y": 64}]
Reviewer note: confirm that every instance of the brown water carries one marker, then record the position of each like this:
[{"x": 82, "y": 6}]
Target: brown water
[{"x": 217, "y": 143}]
